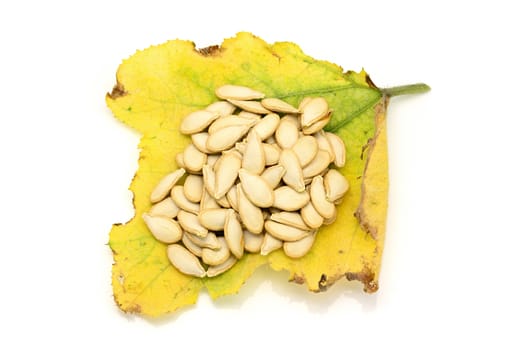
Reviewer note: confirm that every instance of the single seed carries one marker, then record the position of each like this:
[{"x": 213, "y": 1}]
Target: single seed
[
  {"x": 212, "y": 159},
  {"x": 227, "y": 170},
  {"x": 224, "y": 108},
  {"x": 193, "y": 187},
  {"x": 194, "y": 159},
  {"x": 165, "y": 185},
  {"x": 286, "y": 198},
  {"x": 293, "y": 175},
  {"x": 233, "y": 234},
  {"x": 225, "y": 138},
  {"x": 177, "y": 194},
  {"x": 313, "y": 111},
  {"x": 251, "y": 215},
  {"x": 197, "y": 121},
  {"x": 276, "y": 105},
  {"x": 250, "y": 106},
  {"x": 284, "y": 232},
  {"x": 299, "y": 248},
  {"x": 252, "y": 242},
  {"x": 249, "y": 115},
  {"x": 230, "y": 120},
  {"x": 199, "y": 141},
  {"x": 324, "y": 144},
  {"x": 311, "y": 217},
  {"x": 318, "y": 125},
  {"x": 292, "y": 119},
  {"x": 339, "y": 149},
  {"x": 316, "y": 166},
  {"x": 208, "y": 202},
  {"x": 179, "y": 159},
  {"x": 319, "y": 201},
  {"x": 256, "y": 189},
  {"x": 303, "y": 103},
  {"x": 305, "y": 149},
  {"x": 216, "y": 256},
  {"x": 163, "y": 228},
  {"x": 192, "y": 247},
  {"x": 231, "y": 196},
  {"x": 208, "y": 178},
  {"x": 221, "y": 268},
  {"x": 185, "y": 261},
  {"x": 270, "y": 244},
  {"x": 272, "y": 153},
  {"x": 210, "y": 241},
  {"x": 335, "y": 185},
  {"x": 165, "y": 207},
  {"x": 237, "y": 92},
  {"x": 213, "y": 219},
  {"x": 291, "y": 219},
  {"x": 253, "y": 160},
  {"x": 286, "y": 134},
  {"x": 267, "y": 126},
  {"x": 273, "y": 175},
  {"x": 190, "y": 223}
]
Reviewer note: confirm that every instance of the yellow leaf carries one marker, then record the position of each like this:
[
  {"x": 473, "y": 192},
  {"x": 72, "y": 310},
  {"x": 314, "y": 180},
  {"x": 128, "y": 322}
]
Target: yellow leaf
[{"x": 158, "y": 86}]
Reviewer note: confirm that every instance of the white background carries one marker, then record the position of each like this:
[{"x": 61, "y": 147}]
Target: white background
[{"x": 453, "y": 263}]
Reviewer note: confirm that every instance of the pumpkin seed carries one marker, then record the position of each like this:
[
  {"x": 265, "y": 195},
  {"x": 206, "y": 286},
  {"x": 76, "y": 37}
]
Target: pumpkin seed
[
  {"x": 185, "y": 261},
  {"x": 339, "y": 149},
  {"x": 251, "y": 215},
  {"x": 216, "y": 256},
  {"x": 313, "y": 111},
  {"x": 293, "y": 219},
  {"x": 177, "y": 194},
  {"x": 233, "y": 234},
  {"x": 305, "y": 149},
  {"x": 293, "y": 175},
  {"x": 231, "y": 196},
  {"x": 210, "y": 241},
  {"x": 190, "y": 223},
  {"x": 252, "y": 242},
  {"x": 250, "y": 106},
  {"x": 238, "y": 93},
  {"x": 273, "y": 175},
  {"x": 213, "y": 219},
  {"x": 193, "y": 187},
  {"x": 335, "y": 185},
  {"x": 318, "y": 125},
  {"x": 317, "y": 165},
  {"x": 227, "y": 170},
  {"x": 324, "y": 144},
  {"x": 256, "y": 189},
  {"x": 208, "y": 202},
  {"x": 179, "y": 159},
  {"x": 284, "y": 232},
  {"x": 286, "y": 198},
  {"x": 194, "y": 159},
  {"x": 276, "y": 105},
  {"x": 303, "y": 103},
  {"x": 324, "y": 207},
  {"x": 192, "y": 247},
  {"x": 254, "y": 159},
  {"x": 272, "y": 153},
  {"x": 249, "y": 115},
  {"x": 224, "y": 108},
  {"x": 199, "y": 141},
  {"x": 165, "y": 207},
  {"x": 299, "y": 248},
  {"x": 226, "y": 137},
  {"x": 221, "y": 268},
  {"x": 286, "y": 134},
  {"x": 311, "y": 217},
  {"x": 197, "y": 121},
  {"x": 230, "y": 120},
  {"x": 267, "y": 126},
  {"x": 270, "y": 244},
  {"x": 163, "y": 228},
  {"x": 165, "y": 185}
]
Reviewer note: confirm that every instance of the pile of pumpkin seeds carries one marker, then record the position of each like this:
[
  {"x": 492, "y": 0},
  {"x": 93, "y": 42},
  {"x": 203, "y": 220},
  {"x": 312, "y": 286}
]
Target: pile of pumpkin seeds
[{"x": 258, "y": 176}]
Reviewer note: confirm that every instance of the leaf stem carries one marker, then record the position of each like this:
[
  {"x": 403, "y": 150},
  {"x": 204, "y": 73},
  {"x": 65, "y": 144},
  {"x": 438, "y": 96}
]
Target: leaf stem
[{"x": 406, "y": 89}]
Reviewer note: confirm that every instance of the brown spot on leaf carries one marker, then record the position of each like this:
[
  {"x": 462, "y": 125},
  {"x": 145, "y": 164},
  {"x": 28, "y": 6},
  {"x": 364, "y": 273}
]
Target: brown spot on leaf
[
  {"x": 323, "y": 285},
  {"x": 213, "y": 50},
  {"x": 367, "y": 277},
  {"x": 297, "y": 279},
  {"x": 118, "y": 91},
  {"x": 370, "y": 82},
  {"x": 134, "y": 309}
]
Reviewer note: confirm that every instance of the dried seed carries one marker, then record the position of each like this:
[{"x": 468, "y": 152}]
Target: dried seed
[
  {"x": 331, "y": 219},
  {"x": 190, "y": 223},
  {"x": 284, "y": 232},
  {"x": 208, "y": 202},
  {"x": 165, "y": 207},
  {"x": 216, "y": 256},
  {"x": 163, "y": 228},
  {"x": 249, "y": 115},
  {"x": 267, "y": 126},
  {"x": 313, "y": 111},
  {"x": 290, "y": 118},
  {"x": 286, "y": 198},
  {"x": 318, "y": 125},
  {"x": 273, "y": 175},
  {"x": 250, "y": 106},
  {"x": 293, "y": 175},
  {"x": 177, "y": 194},
  {"x": 253, "y": 160},
  {"x": 311, "y": 217},
  {"x": 272, "y": 153},
  {"x": 208, "y": 178},
  {"x": 305, "y": 149},
  {"x": 270, "y": 244},
  {"x": 194, "y": 159},
  {"x": 324, "y": 144},
  {"x": 224, "y": 108},
  {"x": 286, "y": 134},
  {"x": 221, "y": 268},
  {"x": 339, "y": 149},
  {"x": 185, "y": 261},
  {"x": 197, "y": 121},
  {"x": 233, "y": 234},
  {"x": 179, "y": 159},
  {"x": 238, "y": 93},
  {"x": 192, "y": 247},
  {"x": 299, "y": 248},
  {"x": 303, "y": 103},
  {"x": 252, "y": 242},
  {"x": 251, "y": 215},
  {"x": 335, "y": 185},
  {"x": 230, "y": 120},
  {"x": 165, "y": 185},
  {"x": 210, "y": 241},
  {"x": 213, "y": 219},
  {"x": 324, "y": 207},
  {"x": 291, "y": 219},
  {"x": 223, "y": 202},
  {"x": 225, "y": 138},
  {"x": 199, "y": 141},
  {"x": 227, "y": 170},
  {"x": 317, "y": 165},
  {"x": 256, "y": 189},
  {"x": 212, "y": 159},
  {"x": 276, "y": 105},
  {"x": 231, "y": 196},
  {"x": 193, "y": 187}
]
